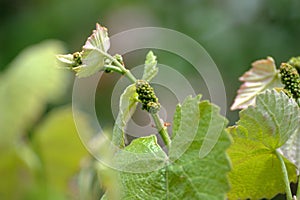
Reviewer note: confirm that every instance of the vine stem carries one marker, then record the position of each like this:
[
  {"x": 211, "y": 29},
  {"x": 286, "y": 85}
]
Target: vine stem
[
  {"x": 161, "y": 129},
  {"x": 159, "y": 125},
  {"x": 285, "y": 176},
  {"x": 125, "y": 71}
]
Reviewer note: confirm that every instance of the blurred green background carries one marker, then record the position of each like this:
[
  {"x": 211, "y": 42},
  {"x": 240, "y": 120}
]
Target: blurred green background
[{"x": 33, "y": 101}]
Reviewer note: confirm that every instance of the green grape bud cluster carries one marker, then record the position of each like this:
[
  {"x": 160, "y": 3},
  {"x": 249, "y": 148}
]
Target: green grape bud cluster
[
  {"x": 291, "y": 80},
  {"x": 147, "y": 96}
]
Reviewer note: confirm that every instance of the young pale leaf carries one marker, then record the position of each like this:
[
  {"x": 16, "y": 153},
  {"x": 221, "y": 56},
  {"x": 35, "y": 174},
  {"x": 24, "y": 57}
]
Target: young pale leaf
[
  {"x": 272, "y": 121},
  {"x": 127, "y": 106},
  {"x": 93, "y": 53},
  {"x": 262, "y": 76},
  {"x": 188, "y": 177},
  {"x": 256, "y": 171},
  {"x": 150, "y": 69},
  {"x": 67, "y": 59}
]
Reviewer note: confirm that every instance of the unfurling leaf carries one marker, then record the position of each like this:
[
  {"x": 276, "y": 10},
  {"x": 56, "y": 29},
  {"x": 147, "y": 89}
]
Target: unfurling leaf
[
  {"x": 127, "y": 106},
  {"x": 262, "y": 76},
  {"x": 92, "y": 58},
  {"x": 67, "y": 59},
  {"x": 150, "y": 69}
]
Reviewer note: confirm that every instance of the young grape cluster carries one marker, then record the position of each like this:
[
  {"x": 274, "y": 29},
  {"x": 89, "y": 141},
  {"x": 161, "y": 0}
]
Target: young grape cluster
[
  {"x": 291, "y": 80},
  {"x": 147, "y": 96}
]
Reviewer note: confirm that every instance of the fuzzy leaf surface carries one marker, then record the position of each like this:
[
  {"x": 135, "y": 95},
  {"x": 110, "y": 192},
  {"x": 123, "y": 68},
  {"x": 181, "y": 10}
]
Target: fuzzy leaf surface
[
  {"x": 262, "y": 76},
  {"x": 150, "y": 69},
  {"x": 127, "y": 106}
]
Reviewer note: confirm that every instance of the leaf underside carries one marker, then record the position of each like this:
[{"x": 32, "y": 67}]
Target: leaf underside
[{"x": 262, "y": 76}]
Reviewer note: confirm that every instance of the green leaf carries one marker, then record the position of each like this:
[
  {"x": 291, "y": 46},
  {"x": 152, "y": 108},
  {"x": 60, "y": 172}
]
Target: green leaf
[
  {"x": 149, "y": 185},
  {"x": 188, "y": 177},
  {"x": 272, "y": 121},
  {"x": 262, "y": 76},
  {"x": 60, "y": 147},
  {"x": 186, "y": 120},
  {"x": 260, "y": 131},
  {"x": 30, "y": 82},
  {"x": 93, "y": 53},
  {"x": 256, "y": 172},
  {"x": 150, "y": 69},
  {"x": 127, "y": 106}
]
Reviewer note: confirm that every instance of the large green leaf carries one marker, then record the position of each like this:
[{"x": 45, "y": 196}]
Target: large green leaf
[
  {"x": 30, "y": 82},
  {"x": 60, "y": 148},
  {"x": 150, "y": 69},
  {"x": 262, "y": 76},
  {"x": 188, "y": 177},
  {"x": 127, "y": 105},
  {"x": 272, "y": 121},
  {"x": 260, "y": 131},
  {"x": 256, "y": 171}
]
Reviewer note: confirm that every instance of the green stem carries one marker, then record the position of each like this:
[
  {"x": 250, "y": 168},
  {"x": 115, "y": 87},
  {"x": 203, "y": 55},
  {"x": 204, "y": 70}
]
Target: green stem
[
  {"x": 159, "y": 125},
  {"x": 110, "y": 68},
  {"x": 124, "y": 70},
  {"x": 285, "y": 176},
  {"x": 161, "y": 129}
]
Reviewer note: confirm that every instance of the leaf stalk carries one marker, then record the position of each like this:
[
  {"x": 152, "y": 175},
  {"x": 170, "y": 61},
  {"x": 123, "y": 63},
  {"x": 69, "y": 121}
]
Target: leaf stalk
[{"x": 285, "y": 176}]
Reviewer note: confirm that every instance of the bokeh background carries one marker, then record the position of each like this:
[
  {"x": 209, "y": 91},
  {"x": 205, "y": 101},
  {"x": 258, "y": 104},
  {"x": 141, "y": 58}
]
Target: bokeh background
[{"x": 234, "y": 32}]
